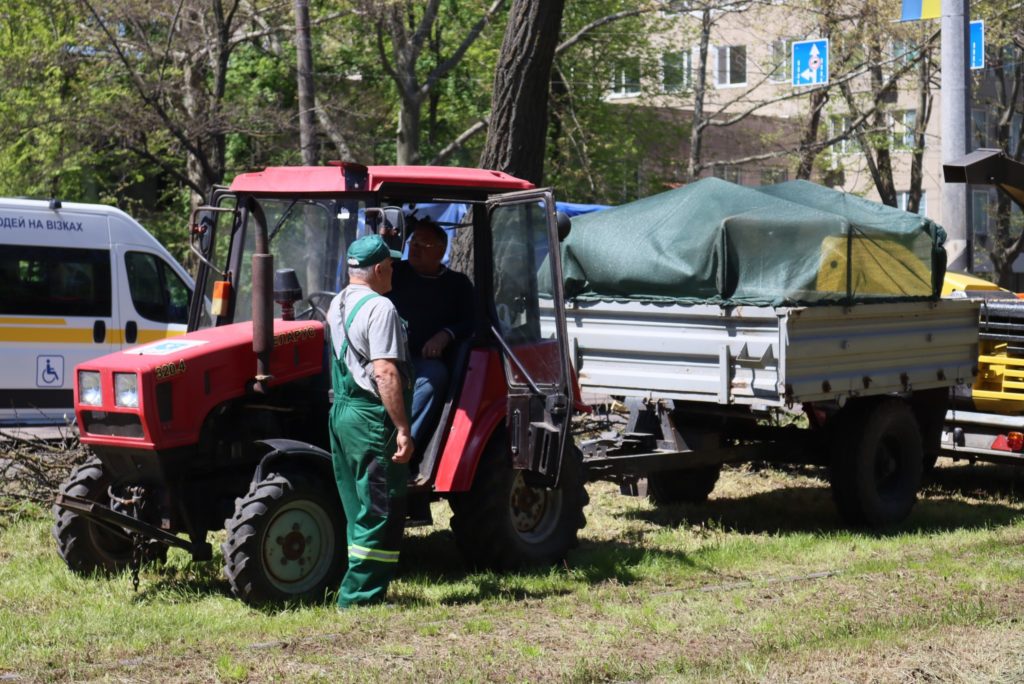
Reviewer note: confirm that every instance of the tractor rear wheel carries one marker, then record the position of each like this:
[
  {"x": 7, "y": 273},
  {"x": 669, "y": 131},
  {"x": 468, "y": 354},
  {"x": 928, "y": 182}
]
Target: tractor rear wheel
[
  {"x": 88, "y": 546},
  {"x": 504, "y": 523},
  {"x": 285, "y": 542}
]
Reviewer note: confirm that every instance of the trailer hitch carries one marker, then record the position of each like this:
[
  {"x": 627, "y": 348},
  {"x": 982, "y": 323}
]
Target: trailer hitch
[{"x": 126, "y": 525}]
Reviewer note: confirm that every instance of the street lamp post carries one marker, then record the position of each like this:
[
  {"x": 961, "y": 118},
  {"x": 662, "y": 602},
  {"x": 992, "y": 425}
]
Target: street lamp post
[{"x": 955, "y": 129}]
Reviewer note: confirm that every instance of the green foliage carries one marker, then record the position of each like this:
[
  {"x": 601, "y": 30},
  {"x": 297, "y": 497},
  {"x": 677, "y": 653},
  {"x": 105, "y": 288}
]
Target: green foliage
[{"x": 601, "y": 150}]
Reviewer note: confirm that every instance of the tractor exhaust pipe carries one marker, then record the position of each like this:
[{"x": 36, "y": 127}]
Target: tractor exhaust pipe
[{"x": 262, "y": 306}]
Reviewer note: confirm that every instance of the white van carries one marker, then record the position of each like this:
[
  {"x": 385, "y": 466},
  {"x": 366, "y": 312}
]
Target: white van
[{"x": 76, "y": 281}]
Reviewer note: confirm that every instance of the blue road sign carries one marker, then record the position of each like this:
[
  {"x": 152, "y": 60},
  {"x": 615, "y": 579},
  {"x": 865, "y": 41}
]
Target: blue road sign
[
  {"x": 978, "y": 44},
  {"x": 810, "y": 62}
]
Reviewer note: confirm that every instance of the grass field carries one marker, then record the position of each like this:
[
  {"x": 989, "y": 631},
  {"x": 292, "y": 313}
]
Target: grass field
[{"x": 762, "y": 583}]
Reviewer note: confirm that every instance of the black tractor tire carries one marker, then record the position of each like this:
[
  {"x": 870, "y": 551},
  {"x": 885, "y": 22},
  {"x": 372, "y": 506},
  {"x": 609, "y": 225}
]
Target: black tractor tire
[
  {"x": 504, "y": 524},
  {"x": 877, "y": 464},
  {"x": 682, "y": 486},
  {"x": 286, "y": 541},
  {"x": 91, "y": 547}
]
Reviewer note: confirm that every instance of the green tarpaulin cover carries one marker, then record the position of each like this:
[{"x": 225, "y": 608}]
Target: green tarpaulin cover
[{"x": 794, "y": 243}]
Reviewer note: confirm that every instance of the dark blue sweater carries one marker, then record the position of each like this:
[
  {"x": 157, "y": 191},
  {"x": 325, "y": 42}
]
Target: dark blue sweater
[{"x": 429, "y": 304}]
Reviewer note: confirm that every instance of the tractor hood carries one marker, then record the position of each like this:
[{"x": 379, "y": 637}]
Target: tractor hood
[{"x": 158, "y": 395}]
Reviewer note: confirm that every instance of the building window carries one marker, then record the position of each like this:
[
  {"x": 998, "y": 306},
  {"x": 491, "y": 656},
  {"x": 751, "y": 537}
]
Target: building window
[
  {"x": 903, "y": 128},
  {"x": 979, "y": 127},
  {"x": 781, "y": 61},
  {"x": 1015, "y": 126},
  {"x": 727, "y": 172},
  {"x": 732, "y": 65},
  {"x": 903, "y": 200},
  {"x": 774, "y": 175},
  {"x": 903, "y": 52},
  {"x": 838, "y": 125},
  {"x": 677, "y": 71},
  {"x": 626, "y": 80}
]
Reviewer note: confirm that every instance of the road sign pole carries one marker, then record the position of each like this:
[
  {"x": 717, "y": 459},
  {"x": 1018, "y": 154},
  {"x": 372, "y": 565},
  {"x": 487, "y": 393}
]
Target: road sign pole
[{"x": 955, "y": 130}]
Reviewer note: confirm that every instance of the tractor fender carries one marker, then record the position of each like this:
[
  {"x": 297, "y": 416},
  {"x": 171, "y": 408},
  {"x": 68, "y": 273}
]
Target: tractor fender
[{"x": 286, "y": 453}]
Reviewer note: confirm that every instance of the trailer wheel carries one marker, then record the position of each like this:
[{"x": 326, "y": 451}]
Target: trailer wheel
[
  {"x": 87, "y": 546},
  {"x": 285, "y": 542},
  {"x": 503, "y": 523},
  {"x": 877, "y": 464},
  {"x": 682, "y": 486}
]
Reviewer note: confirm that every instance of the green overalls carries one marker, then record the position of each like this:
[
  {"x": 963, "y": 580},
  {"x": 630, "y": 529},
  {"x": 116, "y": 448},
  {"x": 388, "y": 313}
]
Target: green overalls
[{"x": 371, "y": 485}]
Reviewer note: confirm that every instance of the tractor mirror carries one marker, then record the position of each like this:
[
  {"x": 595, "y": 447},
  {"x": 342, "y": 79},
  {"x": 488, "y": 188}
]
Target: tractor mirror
[
  {"x": 206, "y": 222},
  {"x": 389, "y": 223}
]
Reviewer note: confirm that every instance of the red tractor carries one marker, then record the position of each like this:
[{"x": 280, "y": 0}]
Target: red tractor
[{"x": 225, "y": 427}]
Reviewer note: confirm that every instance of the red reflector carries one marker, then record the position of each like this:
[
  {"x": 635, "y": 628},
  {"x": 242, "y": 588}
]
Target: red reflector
[{"x": 1015, "y": 440}]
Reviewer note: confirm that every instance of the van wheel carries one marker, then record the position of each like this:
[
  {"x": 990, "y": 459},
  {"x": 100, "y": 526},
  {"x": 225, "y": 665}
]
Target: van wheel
[
  {"x": 285, "y": 542},
  {"x": 877, "y": 463},
  {"x": 87, "y": 546},
  {"x": 505, "y": 523}
]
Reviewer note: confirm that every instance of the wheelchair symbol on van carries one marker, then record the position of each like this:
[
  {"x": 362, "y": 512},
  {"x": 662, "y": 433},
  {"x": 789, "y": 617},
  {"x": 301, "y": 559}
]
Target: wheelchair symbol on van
[{"x": 49, "y": 371}]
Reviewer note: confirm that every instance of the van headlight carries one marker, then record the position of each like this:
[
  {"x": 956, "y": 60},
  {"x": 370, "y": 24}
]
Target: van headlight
[
  {"x": 89, "y": 392},
  {"x": 126, "y": 390}
]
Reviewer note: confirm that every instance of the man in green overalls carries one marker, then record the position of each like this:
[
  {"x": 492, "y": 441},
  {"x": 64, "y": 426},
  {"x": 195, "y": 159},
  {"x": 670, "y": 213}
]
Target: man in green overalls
[{"x": 369, "y": 426}]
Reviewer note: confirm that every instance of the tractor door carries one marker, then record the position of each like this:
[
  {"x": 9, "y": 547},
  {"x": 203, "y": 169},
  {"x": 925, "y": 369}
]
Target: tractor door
[{"x": 529, "y": 324}]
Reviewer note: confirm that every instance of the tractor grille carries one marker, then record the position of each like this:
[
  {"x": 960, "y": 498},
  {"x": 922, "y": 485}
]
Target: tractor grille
[{"x": 111, "y": 424}]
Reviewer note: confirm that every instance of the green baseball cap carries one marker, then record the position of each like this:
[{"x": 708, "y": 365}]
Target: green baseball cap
[{"x": 369, "y": 250}]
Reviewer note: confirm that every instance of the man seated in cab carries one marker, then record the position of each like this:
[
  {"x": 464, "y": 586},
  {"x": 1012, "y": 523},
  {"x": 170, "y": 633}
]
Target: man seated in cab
[{"x": 437, "y": 304}]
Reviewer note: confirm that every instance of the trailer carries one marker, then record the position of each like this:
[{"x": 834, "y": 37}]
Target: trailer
[
  {"x": 703, "y": 384},
  {"x": 846, "y": 361}
]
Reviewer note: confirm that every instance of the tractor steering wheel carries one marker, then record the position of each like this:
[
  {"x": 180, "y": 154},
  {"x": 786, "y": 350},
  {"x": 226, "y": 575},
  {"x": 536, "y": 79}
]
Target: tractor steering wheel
[{"x": 319, "y": 302}]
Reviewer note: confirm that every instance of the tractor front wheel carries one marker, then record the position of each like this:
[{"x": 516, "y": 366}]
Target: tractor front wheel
[
  {"x": 285, "y": 542},
  {"x": 88, "y": 546},
  {"x": 506, "y": 523}
]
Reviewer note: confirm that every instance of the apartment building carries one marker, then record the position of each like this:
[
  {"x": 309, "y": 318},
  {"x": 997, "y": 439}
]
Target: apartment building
[{"x": 749, "y": 78}]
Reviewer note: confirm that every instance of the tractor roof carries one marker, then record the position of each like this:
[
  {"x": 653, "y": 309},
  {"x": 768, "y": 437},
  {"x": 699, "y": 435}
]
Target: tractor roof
[{"x": 349, "y": 177}]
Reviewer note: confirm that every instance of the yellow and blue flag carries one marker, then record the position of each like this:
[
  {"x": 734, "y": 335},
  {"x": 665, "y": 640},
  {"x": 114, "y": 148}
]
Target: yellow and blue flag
[{"x": 921, "y": 9}]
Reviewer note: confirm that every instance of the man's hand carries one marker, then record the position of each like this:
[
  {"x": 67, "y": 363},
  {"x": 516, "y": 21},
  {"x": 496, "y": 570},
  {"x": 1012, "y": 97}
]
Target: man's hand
[
  {"x": 435, "y": 346},
  {"x": 405, "y": 447}
]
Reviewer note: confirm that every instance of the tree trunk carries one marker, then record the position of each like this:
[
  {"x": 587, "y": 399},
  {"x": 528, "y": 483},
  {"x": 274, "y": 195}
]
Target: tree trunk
[
  {"x": 519, "y": 106},
  {"x": 818, "y": 100},
  {"x": 924, "y": 111},
  {"x": 307, "y": 104},
  {"x": 408, "y": 139},
  {"x": 697, "y": 127}
]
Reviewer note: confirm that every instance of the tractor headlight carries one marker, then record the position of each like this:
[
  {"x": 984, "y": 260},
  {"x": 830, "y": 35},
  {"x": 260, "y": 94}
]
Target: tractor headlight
[
  {"x": 89, "y": 392},
  {"x": 126, "y": 390}
]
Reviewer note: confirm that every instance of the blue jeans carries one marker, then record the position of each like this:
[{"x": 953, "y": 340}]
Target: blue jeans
[{"x": 427, "y": 397}]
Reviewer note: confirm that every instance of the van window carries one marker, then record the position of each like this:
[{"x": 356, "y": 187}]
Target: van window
[
  {"x": 54, "y": 281},
  {"x": 158, "y": 294}
]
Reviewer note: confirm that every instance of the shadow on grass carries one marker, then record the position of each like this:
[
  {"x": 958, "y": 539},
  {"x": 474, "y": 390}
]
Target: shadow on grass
[
  {"x": 980, "y": 480},
  {"x": 196, "y": 579},
  {"x": 434, "y": 559},
  {"x": 811, "y": 510}
]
